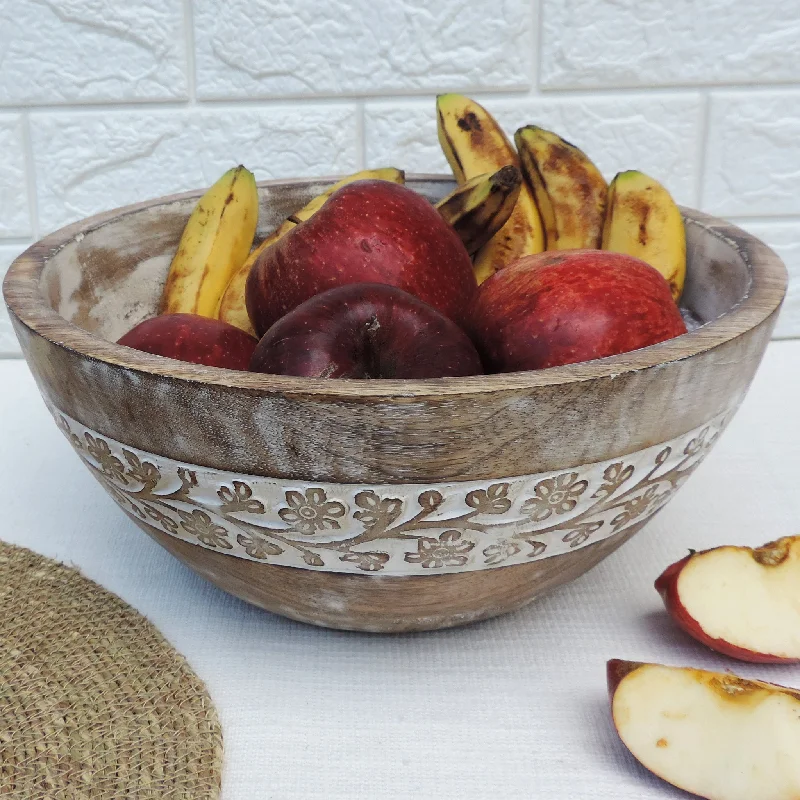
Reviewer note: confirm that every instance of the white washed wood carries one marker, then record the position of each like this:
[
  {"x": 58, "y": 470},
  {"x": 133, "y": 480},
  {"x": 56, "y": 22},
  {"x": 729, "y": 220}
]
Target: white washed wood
[{"x": 291, "y": 523}]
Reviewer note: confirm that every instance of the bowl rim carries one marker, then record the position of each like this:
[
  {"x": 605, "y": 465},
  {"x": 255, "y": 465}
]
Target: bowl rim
[{"x": 768, "y": 280}]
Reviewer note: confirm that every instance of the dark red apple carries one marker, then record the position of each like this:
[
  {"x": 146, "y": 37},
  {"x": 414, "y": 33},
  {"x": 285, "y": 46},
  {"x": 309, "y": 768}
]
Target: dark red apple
[
  {"x": 368, "y": 231},
  {"x": 366, "y": 330},
  {"x": 190, "y": 337},
  {"x": 740, "y": 601},
  {"x": 562, "y": 307}
]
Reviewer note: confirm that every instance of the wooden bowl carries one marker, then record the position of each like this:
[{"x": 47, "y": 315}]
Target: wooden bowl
[{"x": 383, "y": 505}]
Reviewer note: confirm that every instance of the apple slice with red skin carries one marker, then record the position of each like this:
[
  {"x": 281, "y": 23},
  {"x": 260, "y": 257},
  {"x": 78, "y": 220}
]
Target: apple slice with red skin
[
  {"x": 192, "y": 338},
  {"x": 740, "y": 601},
  {"x": 713, "y": 734},
  {"x": 366, "y": 330}
]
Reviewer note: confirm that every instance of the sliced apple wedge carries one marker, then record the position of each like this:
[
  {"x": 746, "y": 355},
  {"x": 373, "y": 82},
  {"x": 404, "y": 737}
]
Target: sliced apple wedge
[
  {"x": 740, "y": 601},
  {"x": 709, "y": 733}
]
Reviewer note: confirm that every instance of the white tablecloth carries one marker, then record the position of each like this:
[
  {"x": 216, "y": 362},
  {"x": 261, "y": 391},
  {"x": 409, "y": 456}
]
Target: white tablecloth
[{"x": 514, "y": 708}]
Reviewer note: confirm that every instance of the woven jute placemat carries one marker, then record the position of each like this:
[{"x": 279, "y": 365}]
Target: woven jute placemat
[{"x": 94, "y": 702}]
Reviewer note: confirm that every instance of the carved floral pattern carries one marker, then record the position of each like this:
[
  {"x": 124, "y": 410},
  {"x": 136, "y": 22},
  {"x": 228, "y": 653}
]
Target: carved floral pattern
[
  {"x": 392, "y": 529},
  {"x": 311, "y": 512},
  {"x": 449, "y": 550},
  {"x": 554, "y": 495}
]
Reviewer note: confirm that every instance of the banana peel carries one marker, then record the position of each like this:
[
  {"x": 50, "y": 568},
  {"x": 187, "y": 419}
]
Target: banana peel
[
  {"x": 474, "y": 144},
  {"x": 232, "y": 308},
  {"x": 570, "y": 191},
  {"x": 214, "y": 244},
  {"x": 479, "y": 208},
  {"x": 390, "y": 174},
  {"x": 643, "y": 220}
]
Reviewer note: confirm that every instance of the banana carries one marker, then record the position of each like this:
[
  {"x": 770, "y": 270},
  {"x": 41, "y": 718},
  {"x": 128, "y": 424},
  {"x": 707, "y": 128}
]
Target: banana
[
  {"x": 642, "y": 220},
  {"x": 214, "y": 244},
  {"x": 474, "y": 144},
  {"x": 480, "y": 207},
  {"x": 570, "y": 192},
  {"x": 232, "y": 308},
  {"x": 382, "y": 174}
]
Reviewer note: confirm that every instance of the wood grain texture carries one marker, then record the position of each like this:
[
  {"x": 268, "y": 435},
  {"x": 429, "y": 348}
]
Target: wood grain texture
[
  {"x": 374, "y": 604},
  {"x": 86, "y": 284}
]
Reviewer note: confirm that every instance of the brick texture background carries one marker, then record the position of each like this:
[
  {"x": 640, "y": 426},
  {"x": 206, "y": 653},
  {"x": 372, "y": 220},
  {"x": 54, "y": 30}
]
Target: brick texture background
[{"x": 107, "y": 103}]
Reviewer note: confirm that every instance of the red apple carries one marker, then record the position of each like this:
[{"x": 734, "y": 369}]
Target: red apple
[
  {"x": 366, "y": 330},
  {"x": 368, "y": 231},
  {"x": 190, "y": 337},
  {"x": 710, "y": 733},
  {"x": 740, "y": 601},
  {"x": 561, "y": 307}
]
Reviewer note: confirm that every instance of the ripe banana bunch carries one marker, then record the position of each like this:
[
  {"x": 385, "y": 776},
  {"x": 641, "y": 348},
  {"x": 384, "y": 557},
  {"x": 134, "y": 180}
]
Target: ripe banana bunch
[
  {"x": 643, "y": 220},
  {"x": 564, "y": 202},
  {"x": 214, "y": 244},
  {"x": 479, "y": 208},
  {"x": 474, "y": 144},
  {"x": 232, "y": 308},
  {"x": 570, "y": 192}
]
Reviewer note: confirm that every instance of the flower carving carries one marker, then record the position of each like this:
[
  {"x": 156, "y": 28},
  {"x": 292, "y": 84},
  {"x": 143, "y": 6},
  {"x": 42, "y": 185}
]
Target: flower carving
[
  {"x": 449, "y": 550},
  {"x": 311, "y": 512},
  {"x": 430, "y": 500},
  {"x": 143, "y": 471},
  {"x": 376, "y": 511},
  {"x": 501, "y": 551},
  {"x": 614, "y": 476},
  {"x": 634, "y": 508},
  {"x": 110, "y": 465},
  {"x": 581, "y": 533},
  {"x": 697, "y": 444},
  {"x": 257, "y": 546},
  {"x": 493, "y": 500},
  {"x": 188, "y": 478},
  {"x": 557, "y": 495},
  {"x": 74, "y": 439},
  {"x": 312, "y": 559},
  {"x": 537, "y": 547},
  {"x": 369, "y": 562},
  {"x": 167, "y": 523},
  {"x": 239, "y": 497},
  {"x": 200, "y": 524}
]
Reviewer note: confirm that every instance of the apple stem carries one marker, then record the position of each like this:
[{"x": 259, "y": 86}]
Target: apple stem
[{"x": 373, "y": 359}]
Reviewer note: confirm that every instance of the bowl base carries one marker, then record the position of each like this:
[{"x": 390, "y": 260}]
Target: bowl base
[{"x": 378, "y": 604}]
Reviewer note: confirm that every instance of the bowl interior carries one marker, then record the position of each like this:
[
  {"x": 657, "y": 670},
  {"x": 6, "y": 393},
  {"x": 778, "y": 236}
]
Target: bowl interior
[{"x": 110, "y": 277}]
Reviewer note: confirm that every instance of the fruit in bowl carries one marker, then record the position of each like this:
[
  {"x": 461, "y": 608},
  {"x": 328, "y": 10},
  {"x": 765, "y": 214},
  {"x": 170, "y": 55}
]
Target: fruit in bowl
[
  {"x": 366, "y": 330},
  {"x": 563, "y": 307},
  {"x": 369, "y": 231},
  {"x": 193, "y": 338},
  {"x": 533, "y": 311}
]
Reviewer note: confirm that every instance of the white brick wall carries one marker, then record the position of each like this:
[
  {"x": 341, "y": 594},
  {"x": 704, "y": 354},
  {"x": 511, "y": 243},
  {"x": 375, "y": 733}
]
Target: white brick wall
[{"x": 111, "y": 101}]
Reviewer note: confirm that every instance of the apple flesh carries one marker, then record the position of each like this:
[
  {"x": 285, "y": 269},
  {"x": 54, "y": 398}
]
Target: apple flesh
[
  {"x": 192, "y": 338},
  {"x": 740, "y": 601},
  {"x": 366, "y": 330},
  {"x": 712, "y": 734},
  {"x": 367, "y": 232},
  {"x": 564, "y": 307}
]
